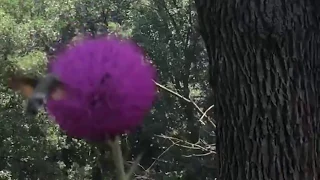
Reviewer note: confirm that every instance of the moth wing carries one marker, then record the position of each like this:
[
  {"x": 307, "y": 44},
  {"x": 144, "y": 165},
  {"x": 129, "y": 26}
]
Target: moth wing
[
  {"x": 58, "y": 91},
  {"x": 58, "y": 94},
  {"x": 26, "y": 90},
  {"x": 24, "y": 85}
]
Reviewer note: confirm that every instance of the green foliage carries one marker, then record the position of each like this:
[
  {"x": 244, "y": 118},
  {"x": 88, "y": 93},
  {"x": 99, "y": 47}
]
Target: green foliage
[{"x": 34, "y": 148}]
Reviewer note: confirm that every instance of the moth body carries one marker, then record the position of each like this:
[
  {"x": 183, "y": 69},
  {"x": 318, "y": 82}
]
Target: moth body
[{"x": 38, "y": 90}]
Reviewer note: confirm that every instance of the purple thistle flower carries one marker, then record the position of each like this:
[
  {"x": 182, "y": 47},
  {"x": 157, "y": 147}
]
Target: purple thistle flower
[{"x": 109, "y": 88}]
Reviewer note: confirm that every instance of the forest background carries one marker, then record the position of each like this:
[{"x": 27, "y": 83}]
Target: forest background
[{"x": 177, "y": 136}]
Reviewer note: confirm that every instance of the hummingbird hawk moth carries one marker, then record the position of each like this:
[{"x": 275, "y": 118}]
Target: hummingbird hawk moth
[{"x": 37, "y": 90}]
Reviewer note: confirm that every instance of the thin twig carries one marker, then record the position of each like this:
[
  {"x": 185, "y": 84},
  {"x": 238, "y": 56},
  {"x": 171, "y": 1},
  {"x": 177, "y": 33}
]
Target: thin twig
[
  {"x": 172, "y": 92},
  {"x": 209, "y": 148},
  {"x": 159, "y": 157},
  {"x": 203, "y": 114},
  {"x": 198, "y": 155}
]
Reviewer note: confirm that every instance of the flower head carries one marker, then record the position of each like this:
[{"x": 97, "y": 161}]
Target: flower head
[{"x": 108, "y": 85}]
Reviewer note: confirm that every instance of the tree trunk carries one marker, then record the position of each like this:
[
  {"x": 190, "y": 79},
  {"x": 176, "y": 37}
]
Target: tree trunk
[{"x": 264, "y": 71}]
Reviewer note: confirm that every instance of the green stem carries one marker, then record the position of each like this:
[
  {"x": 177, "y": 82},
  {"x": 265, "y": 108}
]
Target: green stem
[{"x": 117, "y": 158}]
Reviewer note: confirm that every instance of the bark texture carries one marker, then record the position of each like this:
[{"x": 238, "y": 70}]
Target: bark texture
[{"x": 264, "y": 70}]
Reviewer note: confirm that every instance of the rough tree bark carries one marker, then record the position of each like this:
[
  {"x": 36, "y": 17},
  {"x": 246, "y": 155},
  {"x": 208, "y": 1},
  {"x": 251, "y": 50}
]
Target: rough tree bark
[{"x": 264, "y": 70}]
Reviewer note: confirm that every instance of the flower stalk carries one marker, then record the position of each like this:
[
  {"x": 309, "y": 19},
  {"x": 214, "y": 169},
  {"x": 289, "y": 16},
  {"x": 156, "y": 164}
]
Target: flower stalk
[
  {"x": 119, "y": 162},
  {"x": 117, "y": 157}
]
